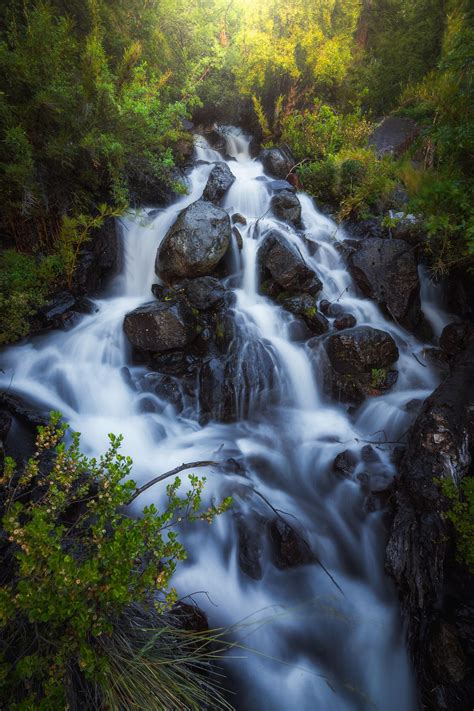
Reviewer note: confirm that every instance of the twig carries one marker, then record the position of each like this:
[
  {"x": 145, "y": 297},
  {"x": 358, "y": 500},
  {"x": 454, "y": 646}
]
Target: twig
[
  {"x": 418, "y": 360},
  {"x": 176, "y": 470}
]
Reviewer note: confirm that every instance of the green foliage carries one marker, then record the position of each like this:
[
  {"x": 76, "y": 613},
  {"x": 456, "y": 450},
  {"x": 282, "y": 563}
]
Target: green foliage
[
  {"x": 461, "y": 515},
  {"x": 79, "y": 564},
  {"x": 378, "y": 377}
]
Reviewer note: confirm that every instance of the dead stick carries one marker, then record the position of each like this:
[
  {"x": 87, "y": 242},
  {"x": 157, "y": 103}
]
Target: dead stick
[{"x": 182, "y": 467}]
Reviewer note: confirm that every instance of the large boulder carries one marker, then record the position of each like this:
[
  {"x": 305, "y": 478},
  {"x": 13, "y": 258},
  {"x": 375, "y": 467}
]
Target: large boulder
[
  {"x": 355, "y": 363},
  {"x": 435, "y": 587},
  {"x": 195, "y": 244},
  {"x": 394, "y": 135},
  {"x": 286, "y": 207},
  {"x": 219, "y": 181},
  {"x": 98, "y": 260},
  {"x": 385, "y": 270},
  {"x": 277, "y": 161},
  {"x": 159, "y": 327},
  {"x": 286, "y": 266}
]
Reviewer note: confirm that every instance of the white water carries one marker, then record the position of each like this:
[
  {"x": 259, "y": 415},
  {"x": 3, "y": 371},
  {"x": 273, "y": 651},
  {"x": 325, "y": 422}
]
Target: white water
[{"x": 316, "y": 649}]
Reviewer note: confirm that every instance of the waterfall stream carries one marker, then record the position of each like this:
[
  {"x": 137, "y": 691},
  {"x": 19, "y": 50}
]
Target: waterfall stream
[{"x": 309, "y": 645}]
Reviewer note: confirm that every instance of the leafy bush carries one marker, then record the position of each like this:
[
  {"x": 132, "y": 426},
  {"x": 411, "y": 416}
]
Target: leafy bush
[
  {"x": 320, "y": 178},
  {"x": 75, "y": 570},
  {"x": 461, "y": 515}
]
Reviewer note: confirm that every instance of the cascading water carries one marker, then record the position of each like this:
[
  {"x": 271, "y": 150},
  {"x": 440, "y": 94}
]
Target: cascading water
[{"x": 316, "y": 645}]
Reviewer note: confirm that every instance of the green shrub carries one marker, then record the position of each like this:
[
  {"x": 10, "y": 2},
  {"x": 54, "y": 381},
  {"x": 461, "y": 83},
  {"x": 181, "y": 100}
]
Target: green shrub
[
  {"x": 461, "y": 515},
  {"x": 319, "y": 178},
  {"x": 78, "y": 570}
]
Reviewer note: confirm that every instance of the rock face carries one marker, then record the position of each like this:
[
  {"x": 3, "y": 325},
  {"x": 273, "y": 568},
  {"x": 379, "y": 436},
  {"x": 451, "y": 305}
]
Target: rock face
[
  {"x": 99, "y": 260},
  {"x": 286, "y": 266},
  {"x": 286, "y": 207},
  {"x": 219, "y": 181},
  {"x": 289, "y": 548},
  {"x": 394, "y": 135},
  {"x": 355, "y": 363},
  {"x": 195, "y": 244},
  {"x": 385, "y": 270},
  {"x": 435, "y": 589},
  {"x": 159, "y": 327},
  {"x": 277, "y": 161}
]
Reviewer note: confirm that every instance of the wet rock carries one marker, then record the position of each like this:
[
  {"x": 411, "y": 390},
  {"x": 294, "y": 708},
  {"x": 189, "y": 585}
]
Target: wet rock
[
  {"x": 238, "y": 237},
  {"x": 195, "y": 244},
  {"x": 161, "y": 326},
  {"x": 250, "y": 545},
  {"x": 204, "y": 293},
  {"x": 345, "y": 463},
  {"x": 304, "y": 305},
  {"x": 360, "y": 349},
  {"x": 432, "y": 584},
  {"x": 394, "y": 135},
  {"x": 289, "y": 548},
  {"x": 59, "y": 311},
  {"x": 277, "y": 161},
  {"x": 455, "y": 337},
  {"x": 165, "y": 387},
  {"x": 238, "y": 219},
  {"x": 25, "y": 411},
  {"x": 189, "y": 617},
  {"x": 286, "y": 207},
  {"x": 324, "y": 305},
  {"x": 277, "y": 186},
  {"x": 286, "y": 265},
  {"x": 406, "y": 227},
  {"x": 98, "y": 261},
  {"x": 219, "y": 181},
  {"x": 344, "y": 321},
  {"x": 386, "y": 271}
]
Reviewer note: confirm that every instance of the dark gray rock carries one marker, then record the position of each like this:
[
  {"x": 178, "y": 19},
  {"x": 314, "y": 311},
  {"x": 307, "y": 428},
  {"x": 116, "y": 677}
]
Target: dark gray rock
[
  {"x": 98, "y": 261},
  {"x": 360, "y": 349},
  {"x": 219, "y": 181},
  {"x": 433, "y": 586},
  {"x": 304, "y": 305},
  {"x": 250, "y": 531},
  {"x": 204, "y": 293},
  {"x": 345, "y": 463},
  {"x": 289, "y": 548},
  {"x": 455, "y": 337},
  {"x": 159, "y": 327},
  {"x": 286, "y": 207},
  {"x": 394, "y": 135},
  {"x": 344, "y": 321},
  {"x": 238, "y": 219},
  {"x": 286, "y": 265},
  {"x": 386, "y": 271},
  {"x": 195, "y": 244},
  {"x": 277, "y": 161}
]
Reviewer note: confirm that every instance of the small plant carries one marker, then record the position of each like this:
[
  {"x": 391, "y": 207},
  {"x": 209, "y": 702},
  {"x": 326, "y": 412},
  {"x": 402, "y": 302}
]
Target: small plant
[
  {"x": 378, "y": 377},
  {"x": 78, "y": 571}
]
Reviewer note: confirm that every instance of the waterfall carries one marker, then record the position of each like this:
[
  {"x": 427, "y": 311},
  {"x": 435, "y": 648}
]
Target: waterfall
[{"x": 315, "y": 647}]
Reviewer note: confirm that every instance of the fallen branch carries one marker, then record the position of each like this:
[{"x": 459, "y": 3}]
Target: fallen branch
[{"x": 166, "y": 475}]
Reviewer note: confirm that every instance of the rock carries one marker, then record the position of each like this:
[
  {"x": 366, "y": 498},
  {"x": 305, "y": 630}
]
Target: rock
[
  {"x": 159, "y": 327},
  {"x": 204, "y": 293},
  {"x": 360, "y": 349},
  {"x": 189, "y": 617},
  {"x": 433, "y": 587},
  {"x": 250, "y": 543},
  {"x": 238, "y": 237},
  {"x": 345, "y": 463},
  {"x": 195, "y": 244},
  {"x": 277, "y": 161},
  {"x": 165, "y": 387},
  {"x": 98, "y": 260},
  {"x": 304, "y": 305},
  {"x": 238, "y": 219},
  {"x": 59, "y": 311},
  {"x": 344, "y": 321},
  {"x": 385, "y": 270},
  {"x": 286, "y": 265},
  {"x": 324, "y": 305},
  {"x": 23, "y": 410},
  {"x": 394, "y": 135},
  {"x": 286, "y": 207},
  {"x": 219, "y": 181},
  {"x": 406, "y": 227},
  {"x": 455, "y": 337},
  {"x": 277, "y": 186},
  {"x": 354, "y": 363},
  {"x": 289, "y": 548}
]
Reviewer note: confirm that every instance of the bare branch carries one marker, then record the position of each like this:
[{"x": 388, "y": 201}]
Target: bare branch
[{"x": 166, "y": 475}]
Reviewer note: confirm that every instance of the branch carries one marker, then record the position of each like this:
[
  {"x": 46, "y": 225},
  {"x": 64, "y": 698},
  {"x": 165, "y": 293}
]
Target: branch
[{"x": 176, "y": 470}]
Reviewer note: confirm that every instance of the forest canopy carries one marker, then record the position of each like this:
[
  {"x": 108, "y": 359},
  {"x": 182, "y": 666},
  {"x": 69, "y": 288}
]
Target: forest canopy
[{"x": 94, "y": 95}]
